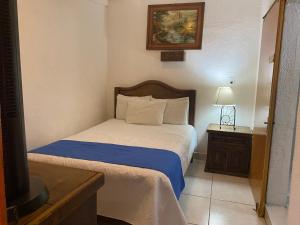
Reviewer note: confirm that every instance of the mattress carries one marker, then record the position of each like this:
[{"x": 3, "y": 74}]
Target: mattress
[{"x": 136, "y": 195}]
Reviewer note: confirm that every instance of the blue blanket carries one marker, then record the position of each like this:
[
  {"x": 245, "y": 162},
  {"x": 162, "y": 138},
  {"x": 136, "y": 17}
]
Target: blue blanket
[{"x": 164, "y": 161}]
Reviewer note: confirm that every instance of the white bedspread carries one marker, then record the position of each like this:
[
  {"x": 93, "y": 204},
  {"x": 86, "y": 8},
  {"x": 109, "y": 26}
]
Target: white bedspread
[{"x": 136, "y": 195}]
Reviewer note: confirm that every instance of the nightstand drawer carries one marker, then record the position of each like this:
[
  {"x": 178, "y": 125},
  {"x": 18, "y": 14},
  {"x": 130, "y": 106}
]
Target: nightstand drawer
[{"x": 225, "y": 139}]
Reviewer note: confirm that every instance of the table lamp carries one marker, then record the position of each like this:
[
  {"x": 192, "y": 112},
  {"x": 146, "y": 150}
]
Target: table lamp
[{"x": 225, "y": 99}]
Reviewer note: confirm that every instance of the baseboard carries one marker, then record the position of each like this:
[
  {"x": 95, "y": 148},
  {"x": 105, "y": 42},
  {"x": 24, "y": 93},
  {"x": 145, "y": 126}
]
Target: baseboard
[{"x": 199, "y": 156}]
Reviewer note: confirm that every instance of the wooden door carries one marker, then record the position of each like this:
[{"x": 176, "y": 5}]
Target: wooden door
[
  {"x": 2, "y": 186},
  {"x": 265, "y": 102}
]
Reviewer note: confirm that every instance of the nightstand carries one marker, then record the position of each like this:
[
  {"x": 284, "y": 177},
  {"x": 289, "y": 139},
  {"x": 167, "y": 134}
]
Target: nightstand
[{"x": 229, "y": 150}]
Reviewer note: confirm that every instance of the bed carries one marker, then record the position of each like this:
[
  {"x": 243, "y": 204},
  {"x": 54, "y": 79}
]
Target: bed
[{"x": 137, "y": 195}]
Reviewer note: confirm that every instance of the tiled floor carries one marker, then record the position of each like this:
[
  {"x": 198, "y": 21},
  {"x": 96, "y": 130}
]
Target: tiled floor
[{"x": 213, "y": 199}]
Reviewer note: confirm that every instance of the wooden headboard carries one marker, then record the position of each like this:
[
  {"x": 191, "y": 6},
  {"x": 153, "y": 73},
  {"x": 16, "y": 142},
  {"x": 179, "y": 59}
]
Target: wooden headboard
[{"x": 160, "y": 90}]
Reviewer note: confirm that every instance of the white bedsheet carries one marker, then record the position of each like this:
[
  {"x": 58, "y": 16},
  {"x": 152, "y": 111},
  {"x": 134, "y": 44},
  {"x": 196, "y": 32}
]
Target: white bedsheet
[{"x": 136, "y": 195}]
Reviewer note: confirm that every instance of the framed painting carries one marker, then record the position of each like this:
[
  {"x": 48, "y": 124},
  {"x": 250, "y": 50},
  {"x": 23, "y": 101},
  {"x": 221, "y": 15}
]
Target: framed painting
[{"x": 175, "y": 26}]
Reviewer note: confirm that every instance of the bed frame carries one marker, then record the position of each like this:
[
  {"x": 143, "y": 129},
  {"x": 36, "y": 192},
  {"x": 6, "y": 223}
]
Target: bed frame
[{"x": 160, "y": 90}]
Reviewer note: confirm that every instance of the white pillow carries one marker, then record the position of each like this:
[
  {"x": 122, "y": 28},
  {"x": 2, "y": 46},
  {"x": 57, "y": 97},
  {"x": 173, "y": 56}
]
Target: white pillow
[
  {"x": 177, "y": 111},
  {"x": 146, "y": 112},
  {"x": 122, "y": 102}
]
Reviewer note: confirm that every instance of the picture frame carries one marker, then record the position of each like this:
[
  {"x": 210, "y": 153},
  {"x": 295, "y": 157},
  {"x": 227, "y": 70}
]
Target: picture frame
[{"x": 175, "y": 26}]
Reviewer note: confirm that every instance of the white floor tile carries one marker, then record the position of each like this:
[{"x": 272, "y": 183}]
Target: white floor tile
[
  {"x": 198, "y": 186},
  {"x": 233, "y": 189},
  {"x": 227, "y": 213},
  {"x": 196, "y": 209},
  {"x": 196, "y": 169},
  {"x": 197, "y": 182},
  {"x": 232, "y": 200}
]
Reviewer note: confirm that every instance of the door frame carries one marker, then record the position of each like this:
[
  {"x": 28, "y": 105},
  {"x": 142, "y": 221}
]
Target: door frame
[{"x": 270, "y": 123}]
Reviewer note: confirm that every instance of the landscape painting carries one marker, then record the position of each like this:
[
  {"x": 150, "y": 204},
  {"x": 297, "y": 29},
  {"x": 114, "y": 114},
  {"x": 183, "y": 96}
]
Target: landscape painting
[{"x": 176, "y": 26}]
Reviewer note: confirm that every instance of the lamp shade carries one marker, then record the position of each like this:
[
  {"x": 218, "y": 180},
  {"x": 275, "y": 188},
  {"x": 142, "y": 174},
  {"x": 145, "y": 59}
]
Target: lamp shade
[{"x": 225, "y": 97}]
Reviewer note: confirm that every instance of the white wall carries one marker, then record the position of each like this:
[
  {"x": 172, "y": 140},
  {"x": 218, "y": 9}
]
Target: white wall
[
  {"x": 230, "y": 52},
  {"x": 266, "y": 5},
  {"x": 64, "y": 66}
]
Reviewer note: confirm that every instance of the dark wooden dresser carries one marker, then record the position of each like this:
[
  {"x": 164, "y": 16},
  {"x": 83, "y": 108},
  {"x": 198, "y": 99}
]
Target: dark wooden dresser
[
  {"x": 229, "y": 150},
  {"x": 73, "y": 196}
]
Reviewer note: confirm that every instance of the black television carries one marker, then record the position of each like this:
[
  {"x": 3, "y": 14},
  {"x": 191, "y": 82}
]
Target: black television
[{"x": 24, "y": 194}]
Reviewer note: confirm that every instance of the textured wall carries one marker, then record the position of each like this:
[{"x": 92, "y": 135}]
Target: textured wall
[
  {"x": 230, "y": 52},
  {"x": 294, "y": 207},
  {"x": 64, "y": 66},
  {"x": 295, "y": 186},
  {"x": 286, "y": 109},
  {"x": 293, "y": 212}
]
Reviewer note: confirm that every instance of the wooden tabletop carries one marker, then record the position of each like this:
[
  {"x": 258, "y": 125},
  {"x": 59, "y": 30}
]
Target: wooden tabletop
[
  {"x": 229, "y": 129},
  {"x": 68, "y": 187}
]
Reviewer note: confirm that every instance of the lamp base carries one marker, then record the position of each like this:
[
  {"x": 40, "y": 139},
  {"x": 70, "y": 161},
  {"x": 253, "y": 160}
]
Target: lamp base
[
  {"x": 225, "y": 119},
  {"x": 37, "y": 196}
]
